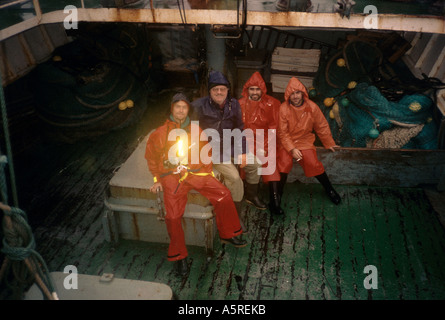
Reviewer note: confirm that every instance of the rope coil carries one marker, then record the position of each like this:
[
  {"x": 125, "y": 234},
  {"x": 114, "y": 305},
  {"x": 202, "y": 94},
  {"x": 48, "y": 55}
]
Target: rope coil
[{"x": 19, "y": 247}]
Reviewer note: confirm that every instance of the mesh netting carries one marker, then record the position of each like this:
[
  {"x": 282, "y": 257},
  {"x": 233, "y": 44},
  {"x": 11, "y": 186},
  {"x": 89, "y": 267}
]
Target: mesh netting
[{"x": 353, "y": 73}]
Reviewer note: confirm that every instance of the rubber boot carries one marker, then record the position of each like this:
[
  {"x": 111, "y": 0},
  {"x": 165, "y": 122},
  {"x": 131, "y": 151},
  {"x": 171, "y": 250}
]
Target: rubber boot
[
  {"x": 239, "y": 206},
  {"x": 275, "y": 198},
  {"x": 282, "y": 183},
  {"x": 182, "y": 267},
  {"x": 252, "y": 196},
  {"x": 237, "y": 242},
  {"x": 332, "y": 194}
]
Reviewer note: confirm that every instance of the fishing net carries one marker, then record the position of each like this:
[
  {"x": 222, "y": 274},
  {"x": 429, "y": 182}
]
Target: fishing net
[
  {"x": 97, "y": 83},
  {"x": 366, "y": 104}
]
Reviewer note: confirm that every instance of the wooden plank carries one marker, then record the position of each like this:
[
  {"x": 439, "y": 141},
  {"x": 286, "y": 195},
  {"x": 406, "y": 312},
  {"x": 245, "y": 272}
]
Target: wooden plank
[
  {"x": 409, "y": 222},
  {"x": 248, "y": 265},
  {"x": 302, "y": 241},
  {"x": 345, "y": 266},
  {"x": 315, "y": 282},
  {"x": 388, "y": 280},
  {"x": 280, "y": 81},
  {"x": 400, "y": 258},
  {"x": 379, "y": 167},
  {"x": 330, "y": 247},
  {"x": 286, "y": 258},
  {"x": 429, "y": 247},
  {"x": 72, "y": 207},
  {"x": 359, "y": 260},
  {"x": 257, "y": 225}
]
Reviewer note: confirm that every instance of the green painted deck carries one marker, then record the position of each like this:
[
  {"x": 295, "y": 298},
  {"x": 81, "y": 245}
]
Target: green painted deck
[{"x": 316, "y": 251}]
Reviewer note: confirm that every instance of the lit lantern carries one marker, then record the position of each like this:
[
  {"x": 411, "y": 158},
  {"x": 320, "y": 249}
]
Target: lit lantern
[{"x": 182, "y": 152}]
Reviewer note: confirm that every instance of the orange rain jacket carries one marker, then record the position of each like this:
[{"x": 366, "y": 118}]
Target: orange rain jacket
[
  {"x": 261, "y": 114},
  {"x": 296, "y": 125}
]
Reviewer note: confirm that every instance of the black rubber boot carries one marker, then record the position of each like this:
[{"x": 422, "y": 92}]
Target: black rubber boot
[
  {"x": 239, "y": 206},
  {"x": 332, "y": 194},
  {"x": 182, "y": 267},
  {"x": 275, "y": 198},
  {"x": 283, "y": 180},
  {"x": 235, "y": 241},
  {"x": 252, "y": 196}
]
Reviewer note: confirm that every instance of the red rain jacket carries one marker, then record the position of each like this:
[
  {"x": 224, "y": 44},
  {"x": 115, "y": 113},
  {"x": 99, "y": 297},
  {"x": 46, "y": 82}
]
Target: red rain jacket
[{"x": 261, "y": 114}]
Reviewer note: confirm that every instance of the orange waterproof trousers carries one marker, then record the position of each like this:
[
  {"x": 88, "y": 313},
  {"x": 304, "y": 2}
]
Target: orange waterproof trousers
[
  {"x": 175, "y": 200},
  {"x": 311, "y": 165}
]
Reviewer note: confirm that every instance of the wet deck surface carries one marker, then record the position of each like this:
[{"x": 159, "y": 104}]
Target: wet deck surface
[{"x": 316, "y": 251}]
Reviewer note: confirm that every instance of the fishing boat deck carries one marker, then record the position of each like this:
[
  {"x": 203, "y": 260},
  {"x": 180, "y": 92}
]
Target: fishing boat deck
[{"x": 316, "y": 251}]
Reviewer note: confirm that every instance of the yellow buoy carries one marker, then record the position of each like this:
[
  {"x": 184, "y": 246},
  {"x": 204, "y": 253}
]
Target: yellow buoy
[
  {"x": 352, "y": 84},
  {"x": 129, "y": 103},
  {"x": 122, "y": 105},
  {"x": 415, "y": 106},
  {"x": 331, "y": 114},
  {"x": 341, "y": 62},
  {"x": 328, "y": 102}
]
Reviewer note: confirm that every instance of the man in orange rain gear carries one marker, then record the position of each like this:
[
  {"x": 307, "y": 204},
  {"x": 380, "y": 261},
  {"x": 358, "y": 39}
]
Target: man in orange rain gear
[
  {"x": 299, "y": 118},
  {"x": 176, "y": 176},
  {"x": 260, "y": 114}
]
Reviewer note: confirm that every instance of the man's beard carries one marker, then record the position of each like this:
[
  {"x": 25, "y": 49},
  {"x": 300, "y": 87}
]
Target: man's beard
[{"x": 297, "y": 105}]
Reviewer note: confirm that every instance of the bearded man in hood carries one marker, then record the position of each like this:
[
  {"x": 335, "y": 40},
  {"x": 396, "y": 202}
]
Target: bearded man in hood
[
  {"x": 260, "y": 114},
  {"x": 299, "y": 120}
]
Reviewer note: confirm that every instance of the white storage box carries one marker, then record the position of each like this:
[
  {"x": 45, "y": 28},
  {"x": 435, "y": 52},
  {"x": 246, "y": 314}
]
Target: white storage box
[{"x": 131, "y": 210}]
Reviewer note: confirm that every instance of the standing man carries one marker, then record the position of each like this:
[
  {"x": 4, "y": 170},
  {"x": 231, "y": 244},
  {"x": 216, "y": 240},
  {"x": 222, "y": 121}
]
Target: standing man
[
  {"x": 222, "y": 113},
  {"x": 175, "y": 174},
  {"x": 299, "y": 119},
  {"x": 260, "y": 114}
]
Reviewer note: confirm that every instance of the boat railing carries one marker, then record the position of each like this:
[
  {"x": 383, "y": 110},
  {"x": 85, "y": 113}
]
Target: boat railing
[{"x": 17, "y": 16}]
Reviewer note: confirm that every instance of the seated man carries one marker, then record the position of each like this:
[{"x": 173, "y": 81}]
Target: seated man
[
  {"x": 299, "y": 120},
  {"x": 220, "y": 112},
  {"x": 260, "y": 114},
  {"x": 175, "y": 174}
]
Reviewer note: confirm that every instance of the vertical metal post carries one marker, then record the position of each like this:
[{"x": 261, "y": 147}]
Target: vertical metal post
[
  {"x": 8, "y": 143},
  {"x": 216, "y": 51},
  {"x": 37, "y": 9}
]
